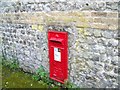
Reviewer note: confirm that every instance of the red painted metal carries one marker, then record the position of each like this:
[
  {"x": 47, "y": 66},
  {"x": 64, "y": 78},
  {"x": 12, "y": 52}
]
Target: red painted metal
[{"x": 58, "y": 55}]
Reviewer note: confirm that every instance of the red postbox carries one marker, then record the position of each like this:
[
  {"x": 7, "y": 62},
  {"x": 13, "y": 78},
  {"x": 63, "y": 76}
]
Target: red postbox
[{"x": 58, "y": 55}]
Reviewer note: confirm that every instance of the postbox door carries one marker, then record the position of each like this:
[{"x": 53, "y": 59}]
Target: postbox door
[{"x": 58, "y": 65}]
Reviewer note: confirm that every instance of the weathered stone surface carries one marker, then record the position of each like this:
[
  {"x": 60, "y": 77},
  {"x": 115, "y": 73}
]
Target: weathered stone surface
[
  {"x": 62, "y": 5},
  {"x": 80, "y": 19},
  {"x": 97, "y": 33},
  {"x": 92, "y": 37},
  {"x": 113, "y": 42}
]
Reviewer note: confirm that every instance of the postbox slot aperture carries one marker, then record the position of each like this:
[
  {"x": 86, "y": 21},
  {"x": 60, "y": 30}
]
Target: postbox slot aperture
[{"x": 56, "y": 40}]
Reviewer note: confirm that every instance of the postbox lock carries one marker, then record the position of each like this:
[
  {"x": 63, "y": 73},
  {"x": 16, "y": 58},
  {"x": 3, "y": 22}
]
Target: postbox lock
[{"x": 57, "y": 35}]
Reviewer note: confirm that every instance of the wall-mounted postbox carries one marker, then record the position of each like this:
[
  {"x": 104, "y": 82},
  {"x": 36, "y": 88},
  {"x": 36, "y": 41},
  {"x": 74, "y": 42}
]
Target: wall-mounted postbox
[{"x": 58, "y": 55}]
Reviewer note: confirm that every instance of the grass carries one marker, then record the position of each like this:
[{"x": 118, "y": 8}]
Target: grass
[
  {"x": 19, "y": 79},
  {"x": 13, "y": 77}
]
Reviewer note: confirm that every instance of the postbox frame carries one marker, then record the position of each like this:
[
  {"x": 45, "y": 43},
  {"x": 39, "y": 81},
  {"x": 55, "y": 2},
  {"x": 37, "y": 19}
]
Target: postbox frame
[{"x": 63, "y": 45}]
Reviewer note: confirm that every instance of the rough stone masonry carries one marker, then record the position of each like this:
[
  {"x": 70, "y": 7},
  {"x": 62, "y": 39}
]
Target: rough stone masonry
[{"x": 92, "y": 26}]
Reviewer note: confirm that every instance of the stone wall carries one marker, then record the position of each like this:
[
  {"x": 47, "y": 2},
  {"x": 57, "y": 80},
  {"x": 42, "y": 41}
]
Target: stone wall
[
  {"x": 60, "y": 5},
  {"x": 92, "y": 27}
]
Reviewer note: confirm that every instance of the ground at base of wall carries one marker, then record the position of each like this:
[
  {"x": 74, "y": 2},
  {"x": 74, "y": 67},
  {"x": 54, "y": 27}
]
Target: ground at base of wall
[{"x": 17, "y": 79}]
